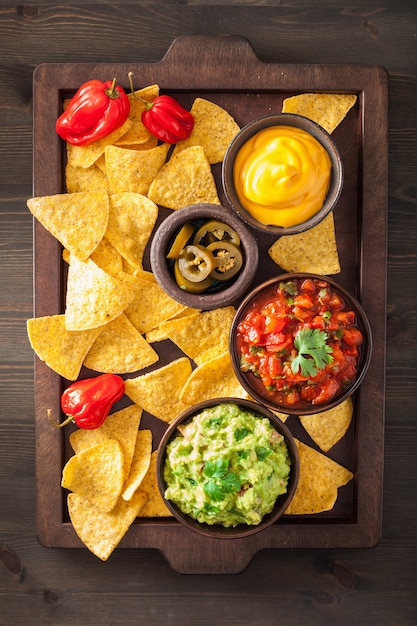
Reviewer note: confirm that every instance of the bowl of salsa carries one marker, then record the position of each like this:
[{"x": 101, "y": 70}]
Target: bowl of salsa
[
  {"x": 282, "y": 174},
  {"x": 227, "y": 468},
  {"x": 300, "y": 343}
]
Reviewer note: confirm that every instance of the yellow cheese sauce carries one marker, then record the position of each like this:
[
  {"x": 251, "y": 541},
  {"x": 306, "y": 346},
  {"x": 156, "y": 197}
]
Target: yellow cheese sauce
[{"x": 282, "y": 175}]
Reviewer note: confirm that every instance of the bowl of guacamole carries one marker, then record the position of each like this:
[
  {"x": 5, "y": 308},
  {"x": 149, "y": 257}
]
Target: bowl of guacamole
[{"x": 227, "y": 467}]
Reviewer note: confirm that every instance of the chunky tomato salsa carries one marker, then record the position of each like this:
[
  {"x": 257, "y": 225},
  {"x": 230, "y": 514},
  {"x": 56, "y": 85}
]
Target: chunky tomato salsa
[{"x": 302, "y": 342}]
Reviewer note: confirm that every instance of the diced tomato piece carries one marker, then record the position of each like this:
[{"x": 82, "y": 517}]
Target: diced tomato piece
[
  {"x": 335, "y": 301},
  {"x": 327, "y": 390},
  {"x": 308, "y": 286},
  {"x": 304, "y": 301},
  {"x": 352, "y": 336}
]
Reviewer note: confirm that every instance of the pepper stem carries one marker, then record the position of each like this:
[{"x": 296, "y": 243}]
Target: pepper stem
[
  {"x": 148, "y": 105},
  {"x": 56, "y": 424},
  {"x": 112, "y": 92}
]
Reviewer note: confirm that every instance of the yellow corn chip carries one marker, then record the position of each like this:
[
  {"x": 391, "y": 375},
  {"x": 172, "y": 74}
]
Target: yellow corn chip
[
  {"x": 159, "y": 334},
  {"x": 158, "y": 392},
  {"x": 62, "y": 350},
  {"x": 151, "y": 305},
  {"x": 313, "y": 251},
  {"x": 185, "y": 179},
  {"x": 326, "y": 109},
  {"x": 133, "y": 170},
  {"x": 328, "y": 427},
  {"x": 77, "y": 220},
  {"x": 155, "y": 505},
  {"x": 319, "y": 480},
  {"x": 137, "y": 133},
  {"x": 214, "y": 129},
  {"x": 120, "y": 349},
  {"x": 107, "y": 257},
  {"x": 85, "y": 179},
  {"x": 212, "y": 379},
  {"x": 85, "y": 156},
  {"x": 94, "y": 297},
  {"x": 140, "y": 463},
  {"x": 132, "y": 217},
  {"x": 101, "y": 532},
  {"x": 122, "y": 425},
  {"x": 201, "y": 333},
  {"x": 96, "y": 474}
]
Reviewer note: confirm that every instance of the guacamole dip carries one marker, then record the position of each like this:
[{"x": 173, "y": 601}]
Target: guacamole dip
[{"x": 227, "y": 466}]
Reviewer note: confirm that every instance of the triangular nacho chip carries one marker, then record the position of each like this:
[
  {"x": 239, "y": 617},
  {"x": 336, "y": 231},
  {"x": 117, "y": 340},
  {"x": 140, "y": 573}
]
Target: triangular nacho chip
[
  {"x": 77, "y": 220},
  {"x": 326, "y": 109},
  {"x": 155, "y": 505},
  {"x": 132, "y": 217},
  {"x": 328, "y": 427},
  {"x": 85, "y": 179},
  {"x": 140, "y": 463},
  {"x": 133, "y": 170},
  {"x": 319, "y": 480},
  {"x": 214, "y": 129},
  {"x": 85, "y": 156},
  {"x": 121, "y": 350},
  {"x": 93, "y": 297},
  {"x": 102, "y": 532},
  {"x": 158, "y": 392},
  {"x": 137, "y": 133},
  {"x": 62, "y": 350},
  {"x": 313, "y": 251},
  {"x": 185, "y": 179}
]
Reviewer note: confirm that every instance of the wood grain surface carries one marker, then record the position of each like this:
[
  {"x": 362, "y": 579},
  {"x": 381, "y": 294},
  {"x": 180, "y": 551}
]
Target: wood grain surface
[{"x": 297, "y": 586}]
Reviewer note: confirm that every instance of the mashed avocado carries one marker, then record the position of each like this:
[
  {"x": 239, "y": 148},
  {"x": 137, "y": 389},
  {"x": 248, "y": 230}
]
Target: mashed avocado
[{"x": 227, "y": 466}]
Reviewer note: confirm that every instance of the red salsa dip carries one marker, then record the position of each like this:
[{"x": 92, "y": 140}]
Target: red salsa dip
[{"x": 302, "y": 341}]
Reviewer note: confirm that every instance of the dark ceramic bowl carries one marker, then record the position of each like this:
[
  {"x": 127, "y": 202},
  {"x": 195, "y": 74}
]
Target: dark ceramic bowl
[
  {"x": 220, "y": 294},
  {"x": 253, "y": 384},
  {"x": 283, "y": 119},
  {"x": 242, "y": 530}
]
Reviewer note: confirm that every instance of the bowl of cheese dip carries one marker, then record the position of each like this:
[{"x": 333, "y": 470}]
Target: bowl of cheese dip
[
  {"x": 282, "y": 174},
  {"x": 227, "y": 467}
]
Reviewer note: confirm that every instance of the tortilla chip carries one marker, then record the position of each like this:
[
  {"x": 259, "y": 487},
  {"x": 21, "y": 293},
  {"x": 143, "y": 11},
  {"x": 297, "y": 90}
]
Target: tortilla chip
[
  {"x": 313, "y": 251},
  {"x": 214, "y": 129},
  {"x": 77, "y": 220},
  {"x": 319, "y": 480},
  {"x": 107, "y": 257},
  {"x": 326, "y": 109},
  {"x": 133, "y": 170},
  {"x": 61, "y": 349},
  {"x": 96, "y": 474},
  {"x": 213, "y": 379},
  {"x": 185, "y": 179},
  {"x": 159, "y": 333},
  {"x": 85, "y": 156},
  {"x": 155, "y": 505},
  {"x": 131, "y": 221},
  {"x": 93, "y": 297},
  {"x": 120, "y": 349},
  {"x": 85, "y": 179},
  {"x": 158, "y": 392},
  {"x": 202, "y": 333},
  {"x": 151, "y": 306},
  {"x": 102, "y": 532},
  {"x": 140, "y": 463},
  {"x": 137, "y": 133},
  {"x": 122, "y": 425},
  {"x": 328, "y": 427}
]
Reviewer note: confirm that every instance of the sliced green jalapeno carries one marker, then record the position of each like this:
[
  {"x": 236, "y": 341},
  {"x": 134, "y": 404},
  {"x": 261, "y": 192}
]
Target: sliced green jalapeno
[
  {"x": 195, "y": 263},
  {"x": 187, "y": 285},
  {"x": 228, "y": 260},
  {"x": 180, "y": 241},
  {"x": 213, "y": 231}
]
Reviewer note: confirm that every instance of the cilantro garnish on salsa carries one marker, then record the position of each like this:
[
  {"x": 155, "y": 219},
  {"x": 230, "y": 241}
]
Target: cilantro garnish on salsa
[{"x": 302, "y": 342}]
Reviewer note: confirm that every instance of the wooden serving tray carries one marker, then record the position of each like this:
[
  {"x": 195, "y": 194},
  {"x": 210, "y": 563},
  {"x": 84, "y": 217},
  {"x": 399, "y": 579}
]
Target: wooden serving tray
[{"x": 226, "y": 70}]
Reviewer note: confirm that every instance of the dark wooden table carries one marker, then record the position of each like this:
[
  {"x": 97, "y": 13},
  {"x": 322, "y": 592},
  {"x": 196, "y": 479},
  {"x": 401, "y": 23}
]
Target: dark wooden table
[{"x": 292, "y": 587}]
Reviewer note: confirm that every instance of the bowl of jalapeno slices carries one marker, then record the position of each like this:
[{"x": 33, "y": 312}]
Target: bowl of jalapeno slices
[{"x": 204, "y": 256}]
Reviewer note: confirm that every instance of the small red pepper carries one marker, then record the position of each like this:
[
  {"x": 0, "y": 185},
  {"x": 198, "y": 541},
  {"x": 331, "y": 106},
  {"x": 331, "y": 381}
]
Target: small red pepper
[
  {"x": 94, "y": 111},
  {"x": 165, "y": 118},
  {"x": 88, "y": 402}
]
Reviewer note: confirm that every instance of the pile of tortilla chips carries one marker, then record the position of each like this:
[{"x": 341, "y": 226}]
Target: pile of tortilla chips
[{"x": 115, "y": 312}]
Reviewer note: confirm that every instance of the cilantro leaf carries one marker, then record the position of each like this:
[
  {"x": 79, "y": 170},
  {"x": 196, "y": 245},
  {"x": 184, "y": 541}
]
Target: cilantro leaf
[
  {"x": 216, "y": 469},
  {"x": 213, "y": 490},
  {"x": 240, "y": 433},
  {"x": 313, "y": 352},
  {"x": 219, "y": 480}
]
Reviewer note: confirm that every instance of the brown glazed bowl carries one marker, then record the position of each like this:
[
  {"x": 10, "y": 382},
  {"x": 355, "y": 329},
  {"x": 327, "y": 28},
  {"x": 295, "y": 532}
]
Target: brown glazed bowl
[
  {"x": 220, "y": 294},
  {"x": 241, "y": 530},
  {"x": 254, "y": 385},
  {"x": 283, "y": 119}
]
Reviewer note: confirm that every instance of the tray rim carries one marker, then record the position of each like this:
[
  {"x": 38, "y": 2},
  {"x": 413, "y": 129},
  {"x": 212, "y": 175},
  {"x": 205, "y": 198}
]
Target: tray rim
[{"x": 371, "y": 85}]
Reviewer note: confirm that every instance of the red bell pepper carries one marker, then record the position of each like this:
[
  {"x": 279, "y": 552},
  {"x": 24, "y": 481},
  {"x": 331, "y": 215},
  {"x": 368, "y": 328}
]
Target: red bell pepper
[
  {"x": 95, "y": 111},
  {"x": 88, "y": 402},
  {"x": 165, "y": 118}
]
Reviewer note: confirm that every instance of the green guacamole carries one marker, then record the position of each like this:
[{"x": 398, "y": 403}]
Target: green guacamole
[{"x": 227, "y": 466}]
